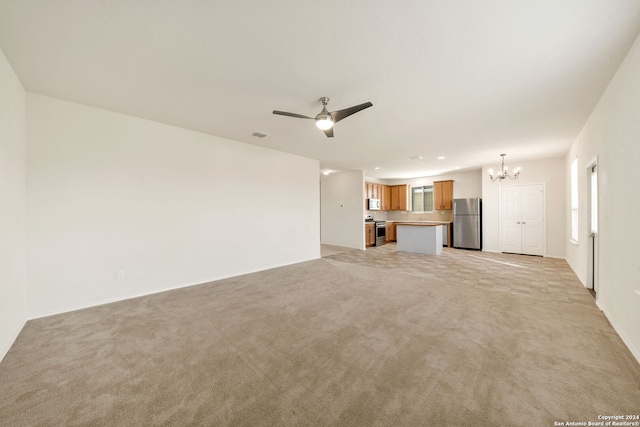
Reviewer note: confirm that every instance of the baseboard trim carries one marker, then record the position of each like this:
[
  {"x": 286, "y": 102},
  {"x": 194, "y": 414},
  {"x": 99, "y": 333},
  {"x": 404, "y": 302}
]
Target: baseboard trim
[
  {"x": 12, "y": 340},
  {"x": 117, "y": 299},
  {"x": 634, "y": 351},
  {"x": 34, "y": 316}
]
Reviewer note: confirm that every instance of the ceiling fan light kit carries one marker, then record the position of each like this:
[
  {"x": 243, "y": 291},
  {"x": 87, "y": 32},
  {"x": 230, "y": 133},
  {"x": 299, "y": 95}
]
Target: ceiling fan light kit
[
  {"x": 325, "y": 119},
  {"x": 324, "y": 124}
]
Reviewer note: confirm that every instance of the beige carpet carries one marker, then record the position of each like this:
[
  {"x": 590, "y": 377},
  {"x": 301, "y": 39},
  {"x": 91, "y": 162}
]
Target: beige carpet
[
  {"x": 328, "y": 250},
  {"x": 332, "y": 343}
]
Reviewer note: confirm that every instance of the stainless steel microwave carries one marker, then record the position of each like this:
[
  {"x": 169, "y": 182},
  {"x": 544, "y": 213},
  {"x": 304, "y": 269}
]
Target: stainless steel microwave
[{"x": 374, "y": 204}]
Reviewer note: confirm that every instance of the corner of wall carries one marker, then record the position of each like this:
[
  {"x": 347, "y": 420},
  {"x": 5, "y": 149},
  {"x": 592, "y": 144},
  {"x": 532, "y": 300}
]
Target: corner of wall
[{"x": 13, "y": 213}]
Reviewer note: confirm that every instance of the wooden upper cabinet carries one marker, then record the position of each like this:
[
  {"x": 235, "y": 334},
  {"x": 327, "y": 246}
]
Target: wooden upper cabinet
[
  {"x": 392, "y": 197},
  {"x": 385, "y": 200},
  {"x": 377, "y": 191},
  {"x": 443, "y": 195},
  {"x": 368, "y": 190},
  {"x": 404, "y": 199},
  {"x": 366, "y": 194},
  {"x": 399, "y": 200},
  {"x": 373, "y": 191}
]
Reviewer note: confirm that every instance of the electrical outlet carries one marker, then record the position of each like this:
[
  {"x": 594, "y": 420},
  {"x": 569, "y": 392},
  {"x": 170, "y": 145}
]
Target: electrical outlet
[{"x": 119, "y": 275}]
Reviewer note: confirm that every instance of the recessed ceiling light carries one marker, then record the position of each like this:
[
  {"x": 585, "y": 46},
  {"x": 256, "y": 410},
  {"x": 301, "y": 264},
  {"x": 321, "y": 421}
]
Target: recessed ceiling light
[
  {"x": 441, "y": 158},
  {"x": 325, "y": 173},
  {"x": 377, "y": 168},
  {"x": 415, "y": 158}
]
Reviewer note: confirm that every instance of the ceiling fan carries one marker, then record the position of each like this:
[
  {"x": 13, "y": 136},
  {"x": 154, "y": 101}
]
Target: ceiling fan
[{"x": 325, "y": 119}]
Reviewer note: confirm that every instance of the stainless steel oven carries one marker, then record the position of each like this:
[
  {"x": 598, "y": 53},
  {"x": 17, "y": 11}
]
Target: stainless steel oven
[{"x": 381, "y": 233}]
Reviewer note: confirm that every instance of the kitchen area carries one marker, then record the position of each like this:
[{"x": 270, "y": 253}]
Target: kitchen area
[
  {"x": 390, "y": 206},
  {"x": 360, "y": 212}
]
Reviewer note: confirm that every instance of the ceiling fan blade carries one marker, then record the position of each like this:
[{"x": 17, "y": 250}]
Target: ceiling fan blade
[
  {"x": 329, "y": 132},
  {"x": 284, "y": 113},
  {"x": 341, "y": 114}
]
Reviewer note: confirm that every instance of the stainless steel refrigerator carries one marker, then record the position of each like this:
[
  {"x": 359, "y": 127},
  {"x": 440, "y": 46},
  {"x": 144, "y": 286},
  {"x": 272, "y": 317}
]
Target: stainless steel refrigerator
[{"x": 467, "y": 223}]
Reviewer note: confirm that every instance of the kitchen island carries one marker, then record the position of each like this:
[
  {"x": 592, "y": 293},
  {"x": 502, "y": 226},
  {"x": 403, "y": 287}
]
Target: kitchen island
[
  {"x": 447, "y": 229},
  {"x": 419, "y": 238}
]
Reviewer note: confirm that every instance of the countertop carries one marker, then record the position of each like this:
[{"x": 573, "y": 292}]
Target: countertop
[{"x": 419, "y": 222}]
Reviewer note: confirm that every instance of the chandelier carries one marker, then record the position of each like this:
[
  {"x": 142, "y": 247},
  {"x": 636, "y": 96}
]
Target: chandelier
[{"x": 503, "y": 172}]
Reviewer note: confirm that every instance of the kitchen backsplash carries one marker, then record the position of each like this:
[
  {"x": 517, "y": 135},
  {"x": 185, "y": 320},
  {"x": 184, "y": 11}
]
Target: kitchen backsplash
[{"x": 410, "y": 216}]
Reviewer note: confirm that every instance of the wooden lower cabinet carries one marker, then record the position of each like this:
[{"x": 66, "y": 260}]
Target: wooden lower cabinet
[
  {"x": 370, "y": 234},
  {"x": 391, "y": 232}
]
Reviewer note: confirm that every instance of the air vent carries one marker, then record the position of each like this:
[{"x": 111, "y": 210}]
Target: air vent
[{"x": 259, "y": 134}]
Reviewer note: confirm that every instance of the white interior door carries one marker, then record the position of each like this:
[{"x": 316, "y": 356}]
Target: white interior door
[
  {"x": 522, "y": 219},
  {"x": 592, "y": 271},
  {"x": 532, "y": 219},
  {"x": 510, "y": 212}
]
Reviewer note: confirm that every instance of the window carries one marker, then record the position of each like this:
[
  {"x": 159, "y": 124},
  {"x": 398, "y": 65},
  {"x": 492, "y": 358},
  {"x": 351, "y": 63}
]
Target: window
[
  {"x": 574, "y": 200},
  {"x": 422, "y": 199}
]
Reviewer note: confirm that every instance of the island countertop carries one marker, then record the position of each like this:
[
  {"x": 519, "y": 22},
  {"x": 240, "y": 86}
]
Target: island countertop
[
  {"x": 419, "y": 224},
  {"x": 398, "y": 221},
  {"x": 419, "y": 238},
  {"x": 447, "y": 224}
]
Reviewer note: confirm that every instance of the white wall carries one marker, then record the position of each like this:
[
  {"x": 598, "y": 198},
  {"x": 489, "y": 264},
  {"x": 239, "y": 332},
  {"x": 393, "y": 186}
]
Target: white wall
[
  {"x": 550, "y": 172},
  {"x": 613, "y": 134},
  {"x": 465, "y": 184},
  {"x": 12, "y": 206},
  {"x": 342, "y": 209},
  {"x": 170, "y": 207}
]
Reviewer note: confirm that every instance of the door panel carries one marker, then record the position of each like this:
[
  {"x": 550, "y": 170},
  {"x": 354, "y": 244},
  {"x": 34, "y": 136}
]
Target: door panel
[
  {"x": 466, "y": 233},
  {"x": 466, "y": 207},
  {"x": 532, "y": 220},
  {"x": 510, "y": 220},
  {"x": 512, "y": 210},
  {"x": 592, "y": 261},
  {"x": 512, "y": 239},
  {"x": 522, "y": 219},
  {"x": 531, "y": 242}
]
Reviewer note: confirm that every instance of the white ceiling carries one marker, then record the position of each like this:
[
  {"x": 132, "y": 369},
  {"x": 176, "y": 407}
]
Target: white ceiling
[{"x": 464, "y": 79}]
